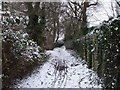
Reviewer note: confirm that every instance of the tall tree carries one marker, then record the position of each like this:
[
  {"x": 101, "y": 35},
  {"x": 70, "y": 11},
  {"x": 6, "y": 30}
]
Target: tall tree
[
  {"x": 36, "y": 27},
  {"x": 83, "y": 16}
]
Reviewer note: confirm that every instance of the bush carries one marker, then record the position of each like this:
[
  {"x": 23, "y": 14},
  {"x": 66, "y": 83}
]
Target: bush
[{"x": 101, "y": 50}]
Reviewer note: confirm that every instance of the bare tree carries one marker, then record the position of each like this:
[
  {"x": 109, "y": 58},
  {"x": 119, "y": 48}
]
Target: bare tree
[
  {"x": 78, "y": 19},
  {"x": 117, "y": 7}
]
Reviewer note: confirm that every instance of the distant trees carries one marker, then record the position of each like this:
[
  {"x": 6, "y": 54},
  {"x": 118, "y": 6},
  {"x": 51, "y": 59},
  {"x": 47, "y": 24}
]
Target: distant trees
[
  {"x": 77, "y": 26},
  {"x": 53, "y": 24}
]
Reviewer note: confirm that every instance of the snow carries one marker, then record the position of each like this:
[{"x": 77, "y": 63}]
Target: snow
[
  {"x": 22, "y": 45},
  {"x": 77, "y": 75},
  {"x": 103, "y": 11},
  {"x": 92, "y": 49}
]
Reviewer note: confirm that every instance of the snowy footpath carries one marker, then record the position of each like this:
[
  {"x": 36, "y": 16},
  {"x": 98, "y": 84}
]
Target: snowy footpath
[{"x": 74, "y": 74}]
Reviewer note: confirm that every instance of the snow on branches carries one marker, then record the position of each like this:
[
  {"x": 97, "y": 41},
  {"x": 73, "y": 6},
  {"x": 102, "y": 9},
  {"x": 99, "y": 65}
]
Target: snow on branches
[{"x": 22, "y": 46}]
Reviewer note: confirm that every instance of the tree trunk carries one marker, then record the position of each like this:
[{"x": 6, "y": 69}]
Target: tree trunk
[
  {"x": 35, "y": 28},
  {"x": 84, "y": 19}
]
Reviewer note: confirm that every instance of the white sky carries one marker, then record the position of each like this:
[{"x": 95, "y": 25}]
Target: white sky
[{"x": 101, "y": 13}]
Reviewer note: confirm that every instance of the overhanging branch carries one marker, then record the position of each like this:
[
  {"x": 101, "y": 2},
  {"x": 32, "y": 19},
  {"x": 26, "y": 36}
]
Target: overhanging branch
[
  {"x": 93, "y": 4},
  {"x": 117, "y": 3}
]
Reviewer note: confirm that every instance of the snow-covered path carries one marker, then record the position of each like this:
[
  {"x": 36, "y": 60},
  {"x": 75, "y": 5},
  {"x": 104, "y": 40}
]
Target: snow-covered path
[{"x": 76, "y": 75}]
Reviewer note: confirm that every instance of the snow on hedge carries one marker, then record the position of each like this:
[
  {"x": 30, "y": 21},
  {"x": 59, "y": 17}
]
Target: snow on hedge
[{"x": 22, "y": 46}]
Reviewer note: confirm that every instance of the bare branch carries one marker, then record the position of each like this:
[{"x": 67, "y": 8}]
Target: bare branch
[
  {"x": 71, "y": 6},
  {"x": 77, "y": 4},
  {"x": 93, "y": 4},
  {"x": 117, "y": 3}
]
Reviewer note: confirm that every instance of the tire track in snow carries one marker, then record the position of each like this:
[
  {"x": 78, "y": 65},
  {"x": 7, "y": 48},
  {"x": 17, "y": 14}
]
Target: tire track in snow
[{"x": 76, "y": 76}]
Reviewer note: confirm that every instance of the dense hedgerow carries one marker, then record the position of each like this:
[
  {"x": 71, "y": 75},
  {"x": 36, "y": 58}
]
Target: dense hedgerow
[
  {"x": 22, "y": 45},
  {"x": 101, "y": 49}
]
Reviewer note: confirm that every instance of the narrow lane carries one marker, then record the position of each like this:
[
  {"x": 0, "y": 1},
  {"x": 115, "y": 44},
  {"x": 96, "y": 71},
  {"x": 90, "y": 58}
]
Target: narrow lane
[{"x": 52, "y": 74}]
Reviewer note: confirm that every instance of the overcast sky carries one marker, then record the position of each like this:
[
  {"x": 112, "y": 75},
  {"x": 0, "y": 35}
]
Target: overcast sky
[{"x": 102, "y": 12}]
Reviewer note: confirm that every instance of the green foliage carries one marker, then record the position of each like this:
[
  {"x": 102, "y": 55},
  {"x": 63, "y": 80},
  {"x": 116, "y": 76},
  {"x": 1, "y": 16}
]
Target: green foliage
[
  {"x": 22, "y": 46},
  {"x": 101, "y": 50}
]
